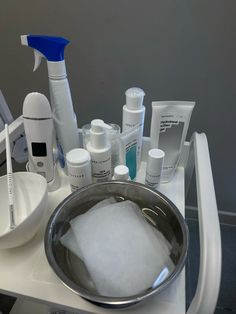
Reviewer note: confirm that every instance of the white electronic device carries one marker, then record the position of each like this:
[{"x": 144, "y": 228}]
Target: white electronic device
[{"x": 38, "y": 125}]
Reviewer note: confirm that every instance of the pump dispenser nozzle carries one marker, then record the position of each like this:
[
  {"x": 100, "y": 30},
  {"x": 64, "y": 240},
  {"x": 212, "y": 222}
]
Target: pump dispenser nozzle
[
  {"x": 98, "y": 135},
  {"x": 98, "y": 126}
]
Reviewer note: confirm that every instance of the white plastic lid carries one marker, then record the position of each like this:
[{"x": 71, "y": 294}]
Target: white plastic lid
[
  {"x": 121, "y": 172},
  {"x": 155, "y": 160},
  {"x": 98, "y": 126},
  {"x": 36, "y": 106},
  {"x": 134, "y": 98},
  {"x": 77, "y": 157},
  {"x": 98, "y": 135}
]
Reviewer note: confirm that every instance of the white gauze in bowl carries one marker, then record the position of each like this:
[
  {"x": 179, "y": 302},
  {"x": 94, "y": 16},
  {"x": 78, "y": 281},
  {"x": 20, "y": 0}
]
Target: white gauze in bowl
[{"x": 123, "y": 254}]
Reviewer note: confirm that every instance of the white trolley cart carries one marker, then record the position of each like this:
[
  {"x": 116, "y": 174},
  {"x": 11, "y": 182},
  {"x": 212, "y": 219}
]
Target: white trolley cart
[{"x": 26, "y": 274}]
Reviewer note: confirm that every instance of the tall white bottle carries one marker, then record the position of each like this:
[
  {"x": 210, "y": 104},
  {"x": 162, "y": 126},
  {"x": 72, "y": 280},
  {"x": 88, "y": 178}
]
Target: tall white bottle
[
  {"x": 52, "y": 49},
  {"x": 134, "y": 114},
  {"x": 100, "y": 151}
]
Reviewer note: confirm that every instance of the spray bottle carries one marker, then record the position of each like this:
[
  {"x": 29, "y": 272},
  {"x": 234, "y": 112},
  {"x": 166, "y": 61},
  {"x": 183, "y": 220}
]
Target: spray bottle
[{"x": 52, "y": 48}]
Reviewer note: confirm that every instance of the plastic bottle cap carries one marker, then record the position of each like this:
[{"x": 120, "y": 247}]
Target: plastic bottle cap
[
  {"x": 121, "y": 172},
  {"x": 155, "y": 160},
  {"x": 98, "y": 126},
  {"x": 156, "y": 153},
  {"x": 36, "y": 105},
  {"x": 134, "y": 98},
  {"x": 98, "y": 134},
  {"x": 77, "y": 156}
]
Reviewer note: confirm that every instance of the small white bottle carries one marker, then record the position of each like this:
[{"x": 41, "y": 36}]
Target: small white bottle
[
  {"x": 155, "y": 162},
  {"x": 99, "y": 148},
  {"x": 78, "y": 163},
  {"x": 134, "y": 114},
  {"x": 121, "y": 172}
]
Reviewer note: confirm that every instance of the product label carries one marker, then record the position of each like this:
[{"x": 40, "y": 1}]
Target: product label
[
  {"x": 152, "y": 180},
  {"x": 101, "y": 168},
  {"x": 131, "y": 158},
  {"x": 131, "y": 125},
  {"x": 139, "y": 138},
  {"x": 79, "y": 176},
  {"x": 74, "y": 188},
  {"x": 170, "y": 138}
]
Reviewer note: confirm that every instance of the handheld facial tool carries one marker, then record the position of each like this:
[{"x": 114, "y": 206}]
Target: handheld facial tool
[{"x": 38, "y": 124}]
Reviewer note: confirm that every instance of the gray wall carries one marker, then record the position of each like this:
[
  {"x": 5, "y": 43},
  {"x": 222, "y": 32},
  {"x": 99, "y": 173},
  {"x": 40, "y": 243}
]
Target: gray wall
[{"x": 173, "y": 49}]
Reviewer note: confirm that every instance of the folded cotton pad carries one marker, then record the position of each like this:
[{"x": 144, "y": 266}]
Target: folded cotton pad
[{"x": 123, "y": 253}]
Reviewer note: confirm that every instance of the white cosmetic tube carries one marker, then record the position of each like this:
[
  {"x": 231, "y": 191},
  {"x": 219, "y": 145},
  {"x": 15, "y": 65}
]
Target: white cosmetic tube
[{"x": 169, "y": 126}]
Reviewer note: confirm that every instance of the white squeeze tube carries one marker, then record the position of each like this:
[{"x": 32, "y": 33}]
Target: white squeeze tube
[
  {"x": 169, "y": 126},
  {"x": 133, "y": 115}
]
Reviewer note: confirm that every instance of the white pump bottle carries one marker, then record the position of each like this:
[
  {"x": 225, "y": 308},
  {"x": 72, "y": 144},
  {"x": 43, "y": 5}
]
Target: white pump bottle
[{"x": 100, "y": 151}]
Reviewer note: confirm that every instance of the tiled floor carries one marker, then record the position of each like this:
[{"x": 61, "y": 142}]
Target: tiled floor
[
  {"x": 227, "y": 298},
  {"x": 6, "y": 304}
]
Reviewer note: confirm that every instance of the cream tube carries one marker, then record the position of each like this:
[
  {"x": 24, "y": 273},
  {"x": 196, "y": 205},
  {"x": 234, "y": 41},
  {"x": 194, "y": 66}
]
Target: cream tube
[{"x": 169, "y": 126}]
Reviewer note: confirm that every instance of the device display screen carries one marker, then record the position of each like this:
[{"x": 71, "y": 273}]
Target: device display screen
[{"x": 39, "y": 149}]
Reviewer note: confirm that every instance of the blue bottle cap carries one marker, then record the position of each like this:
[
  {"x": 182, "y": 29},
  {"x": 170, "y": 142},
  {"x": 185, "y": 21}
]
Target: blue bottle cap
[{"x": 51, "y": 47}]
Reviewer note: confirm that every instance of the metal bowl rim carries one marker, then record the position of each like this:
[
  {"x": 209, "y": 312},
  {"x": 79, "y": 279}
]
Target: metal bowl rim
[{"x": 115, "y": 301}]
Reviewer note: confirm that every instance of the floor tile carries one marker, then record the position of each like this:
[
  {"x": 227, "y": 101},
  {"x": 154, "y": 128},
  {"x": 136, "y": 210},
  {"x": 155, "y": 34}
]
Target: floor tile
[
  {"x": 192, "y": 266},
  {"x": 6, "y": 303},
  {"x": 227, "y": 296}
]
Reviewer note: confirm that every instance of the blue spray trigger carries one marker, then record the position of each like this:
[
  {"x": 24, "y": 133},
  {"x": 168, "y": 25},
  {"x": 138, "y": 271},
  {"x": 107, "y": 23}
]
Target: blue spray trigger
[{"x": 50, "y": 46}]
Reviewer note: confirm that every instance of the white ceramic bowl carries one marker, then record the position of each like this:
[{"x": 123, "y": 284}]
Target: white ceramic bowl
[{"x": 30, "y": 191}]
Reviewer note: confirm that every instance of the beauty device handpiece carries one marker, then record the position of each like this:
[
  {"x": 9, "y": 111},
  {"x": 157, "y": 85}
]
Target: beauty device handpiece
[{"x": 38, "y": 124}]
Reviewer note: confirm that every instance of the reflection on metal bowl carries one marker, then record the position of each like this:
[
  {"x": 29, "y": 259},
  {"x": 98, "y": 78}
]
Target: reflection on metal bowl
[{"x": 157, "y": 210}]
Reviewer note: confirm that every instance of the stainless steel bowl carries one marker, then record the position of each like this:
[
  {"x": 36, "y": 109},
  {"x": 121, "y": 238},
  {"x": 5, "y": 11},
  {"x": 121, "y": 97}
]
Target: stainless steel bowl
[{"x": 156, "y": 208}]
